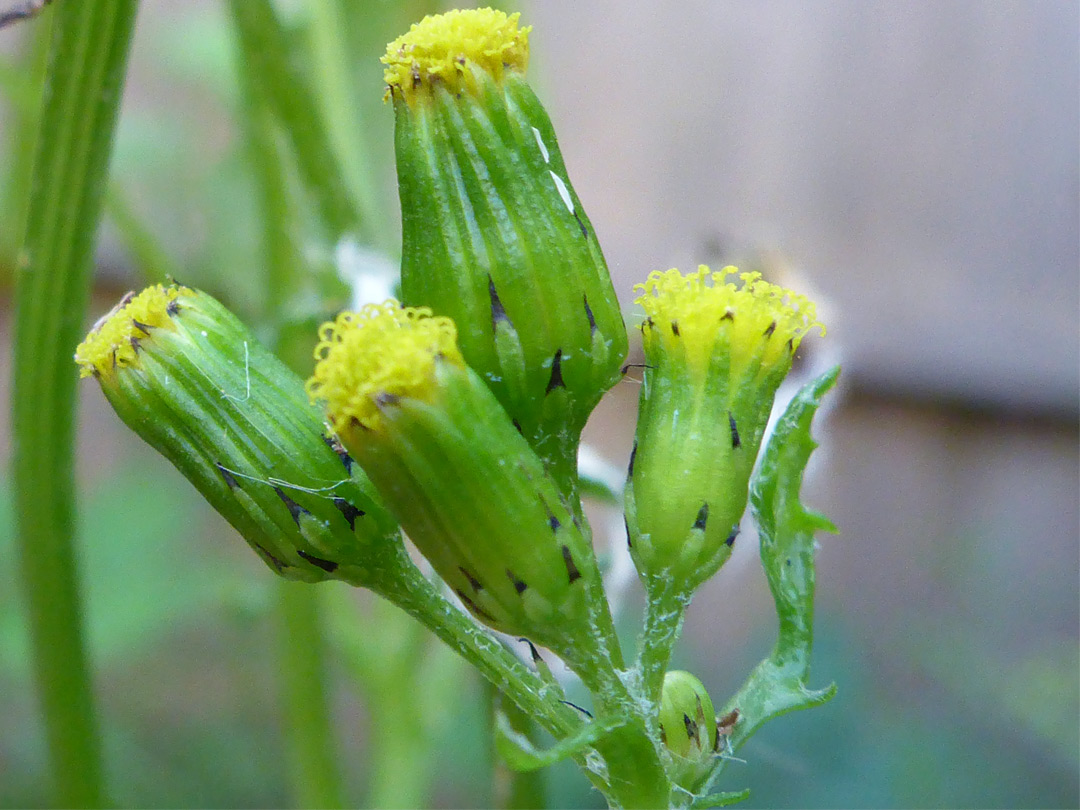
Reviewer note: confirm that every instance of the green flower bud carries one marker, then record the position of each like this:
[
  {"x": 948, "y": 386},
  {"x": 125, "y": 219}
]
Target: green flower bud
[
  {"x": 467, "y": 488},
  {"x": 493, "y": 234},
  {"x": 714, "y": 357},
  {"x": 189, "y": 378},
  {"x": 688, "y": 727}
]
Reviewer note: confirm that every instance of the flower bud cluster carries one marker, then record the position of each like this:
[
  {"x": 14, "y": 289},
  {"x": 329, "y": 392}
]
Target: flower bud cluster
[{"x": 456, "y": 414}]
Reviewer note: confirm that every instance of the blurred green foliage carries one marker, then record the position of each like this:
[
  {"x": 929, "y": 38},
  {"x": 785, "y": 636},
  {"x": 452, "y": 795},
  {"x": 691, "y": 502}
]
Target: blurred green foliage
[{"x": 181, "y": 619}]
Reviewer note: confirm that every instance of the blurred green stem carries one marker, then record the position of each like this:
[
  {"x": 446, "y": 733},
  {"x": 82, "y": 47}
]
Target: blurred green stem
[
  {"x": 84, "y": 84},
  {"x": 153, "y": 262},
  {"x": 341, "y": 110},
  {"x": 264, "y": 48},
  {"x": 22, "y": 84},
  {"x": 309, "y": 732},
  {"x": 310, "y": 739}
]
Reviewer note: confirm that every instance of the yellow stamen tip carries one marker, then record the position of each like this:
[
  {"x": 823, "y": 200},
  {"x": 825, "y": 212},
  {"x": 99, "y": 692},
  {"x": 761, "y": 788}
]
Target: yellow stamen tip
[
  {"x": 382, "y": 353},
  {"x": 113, "y": 342},
  {"x": 441, "y": 47},
  {"x": 699, "y": 309}
]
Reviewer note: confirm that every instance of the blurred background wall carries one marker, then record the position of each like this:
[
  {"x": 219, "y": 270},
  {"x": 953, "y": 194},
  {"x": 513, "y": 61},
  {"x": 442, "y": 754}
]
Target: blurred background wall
[{"x": 914, "y": 165}]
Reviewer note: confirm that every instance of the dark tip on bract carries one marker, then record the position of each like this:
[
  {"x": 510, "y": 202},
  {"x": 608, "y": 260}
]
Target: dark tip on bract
[
  {"x": 589, "y": 314},
  {"x": 134, "y": 341},
  {"x": 517, "y": 425},
  {"x": 572, "y": 572},
  {"x": 735, "y": 440},
  {"x": 350, "y": 512},
  {"x": 172, "y": 307},
  {"x": 275, "y": 563},
  {"x": 140, "y": 326},
  {"x": 295, "y": 509},
  {"x": 731, "y": 537},
  {"x": 633, "y": 456},
  {"x": 498, "y": 311},
  {"x": 471, "y": 605},
  {"x": 343, "y": 454},
  {"x": 584, "y": 230},
  {"x": 519, "y": 585},
  {"x": 629, "y": 539},
  {"x": 535, "y": 653},
  {"x": 230, "y": 479},
  {"x": 553, "y": 521},
  {"x": 691, "y": 728},
  {"x": 728, "y": 316},
  {"x": 702, "y": 517},
  {"x": 771, "y": 328},
  {"x": 326, "y": 565},
  {"x": 386, "y": 400},
  {"x": 584, "y": 711},
  {"x": 474, "y": 583},
  {"x": 556, "y": 380},
  {"x": 675, "y": 328}
]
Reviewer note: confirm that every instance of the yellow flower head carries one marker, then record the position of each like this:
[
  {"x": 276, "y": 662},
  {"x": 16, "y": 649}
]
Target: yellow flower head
[
  {"x": 696, "y": 314},
  {"x": 380, "y": 354},
  {"x": 113, "y": 343},
  {"x": 441, "y": 47}
]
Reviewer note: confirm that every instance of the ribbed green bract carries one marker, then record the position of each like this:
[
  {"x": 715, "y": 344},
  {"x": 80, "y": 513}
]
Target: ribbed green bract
[
  {"x": 696, "y": 443},
  {"x": 237, "y": 423},
  {"x": 495, "y": 237},
  {"x": 478, "y": 503}
]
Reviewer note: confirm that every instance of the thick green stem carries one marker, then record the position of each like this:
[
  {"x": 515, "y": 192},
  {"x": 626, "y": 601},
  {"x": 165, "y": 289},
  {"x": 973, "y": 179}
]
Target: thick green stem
[
  {"x": 310, "y": 735},
  {"x": 84, "y": 82}
]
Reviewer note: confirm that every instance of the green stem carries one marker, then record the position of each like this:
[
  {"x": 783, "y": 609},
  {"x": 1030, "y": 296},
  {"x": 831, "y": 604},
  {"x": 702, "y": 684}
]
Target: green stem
[
  {"x": 149, "y": 257},
  {"x": 414, "y": 594},
  {"x": 265, "y": 50},
  {"x": 342, "y": 112},
  {"x": 85, "y": 76},
  {"x": 398, "y": 711},
  {"x": 665, "y": 609},
  {"x": 633, "y": 777},
  {"x": 310, "y": 738},
  {"x": 21, "y": 98}
]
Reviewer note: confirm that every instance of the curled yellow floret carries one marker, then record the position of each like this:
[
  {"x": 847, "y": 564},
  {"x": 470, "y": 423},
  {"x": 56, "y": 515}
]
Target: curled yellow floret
[
  {"x": 697, "y": 313},
  {"x": 113, "y": 343},
  {"x": 378, "y": 355},
  {"x": 441, "y": 47}
]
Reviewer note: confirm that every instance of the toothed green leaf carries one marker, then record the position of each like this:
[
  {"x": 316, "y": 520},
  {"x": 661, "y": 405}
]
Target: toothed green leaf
[{"x": 786, "y": 528}]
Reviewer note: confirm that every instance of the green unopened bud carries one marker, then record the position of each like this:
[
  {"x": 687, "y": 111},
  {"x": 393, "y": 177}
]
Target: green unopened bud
[
  {"x": 688, "y": 726},
  {"x": 467, "y": 488},
  {"x": 493, "y": 234},
  {"x": 714, "y": 357},
  {"x": 189, "y": 378}
]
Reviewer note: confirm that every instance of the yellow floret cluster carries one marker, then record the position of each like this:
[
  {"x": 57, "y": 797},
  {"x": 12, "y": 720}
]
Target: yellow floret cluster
[
  {"x": 440, "y": 48},
  {"x": 699, "y": 313},
  {"x": 113, "y": 342},
  {"x": 381, "y": 353}
]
